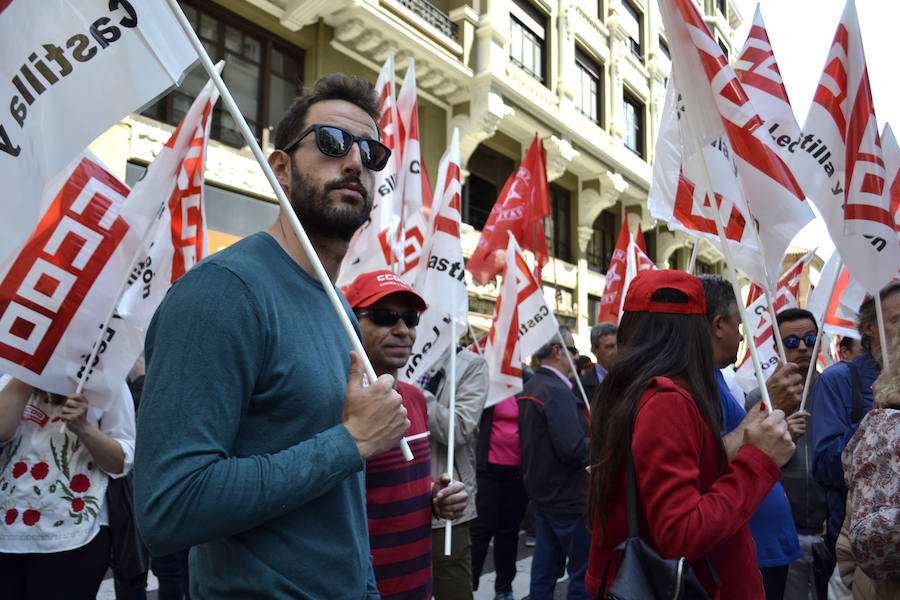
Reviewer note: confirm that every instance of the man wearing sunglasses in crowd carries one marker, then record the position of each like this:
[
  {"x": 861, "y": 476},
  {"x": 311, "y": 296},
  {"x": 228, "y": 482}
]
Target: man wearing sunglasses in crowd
[
  {"x": 255, "y": 417},
  {"x": 401, "y": 497},
  {"x": 807, "y": 577}
]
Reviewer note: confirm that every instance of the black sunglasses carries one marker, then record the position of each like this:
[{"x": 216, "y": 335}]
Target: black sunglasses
[
  {"x": 383, "y": 317},
  {"x": 572, "y": 349},
  {"x": 792, "y": 341},
  {"x": 336, "y": 142}
]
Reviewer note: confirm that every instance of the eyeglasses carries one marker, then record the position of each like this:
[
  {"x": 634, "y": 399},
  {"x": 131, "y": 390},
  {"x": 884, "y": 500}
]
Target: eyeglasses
[
  {"x": 383, "y": 317},
  {"x": 792, "y": 341},
  {"x": 336, "y": 142},
  {"x": 572, "y": 349}
]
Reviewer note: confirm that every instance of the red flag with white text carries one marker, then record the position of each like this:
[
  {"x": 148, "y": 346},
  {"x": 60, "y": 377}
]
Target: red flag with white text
[{"x": 520, "y": 210}]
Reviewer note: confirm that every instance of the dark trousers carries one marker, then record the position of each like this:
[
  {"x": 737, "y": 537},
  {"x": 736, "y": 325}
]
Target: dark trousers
[
  {"x": 501, "y": 502},
  {"x": 563, "y": 545},
  {"x": 172, "y": 572},
  {"x": 774, "y": 581},
  {"x": 73, "y": 574},
  {"x": 452, "y": 574}
]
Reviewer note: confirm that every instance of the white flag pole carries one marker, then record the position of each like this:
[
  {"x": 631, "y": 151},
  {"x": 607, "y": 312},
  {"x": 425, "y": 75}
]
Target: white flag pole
[
  {"x": 821, "y": 328},
  {"x": 307, "y": 246},
  {"x": 574, "y": 372},
  {"x": 478, "y": 350},
  {"x": 775, "y": 330},
  {"x": 451, "y": 429},
  {"x": 879, "y": 314},
  {"x": 694, "y": 252}
]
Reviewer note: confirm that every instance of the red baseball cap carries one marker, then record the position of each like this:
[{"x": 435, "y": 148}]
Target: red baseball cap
[
  {"x": 647, "y": 283},
  {"x": 369, "y": 288}
]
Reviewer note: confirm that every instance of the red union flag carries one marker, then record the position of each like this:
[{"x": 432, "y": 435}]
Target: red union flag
[
  {"x": 72, "y": 69},
  {"x": 718, "y": 111},
  {"x": 786, "y": 296},
  {"x": 892, "y": 166},
  {"x": 841, "y": 307},
  {"x": 375, "y": 245},
  {"x": 522, "y": 323},
  {"x": 841, "y": 165},
  {"x": 614, "y": 286},
  {"x": 520, "y": 210},
  {"x": 442, "y": 278},
  {"x": 56, "y": 291},
  {"x": 179, "y": 240}
]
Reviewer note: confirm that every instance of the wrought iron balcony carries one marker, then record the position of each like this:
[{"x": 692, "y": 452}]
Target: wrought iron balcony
[{"x": 432, "y": 15}]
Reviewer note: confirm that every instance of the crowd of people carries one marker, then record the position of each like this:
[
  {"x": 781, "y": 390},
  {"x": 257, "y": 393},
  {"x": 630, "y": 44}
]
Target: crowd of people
[{"x": 264, "y": 449}]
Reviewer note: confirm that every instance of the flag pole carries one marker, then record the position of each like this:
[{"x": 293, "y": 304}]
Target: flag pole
[
  {"x": 474, "y": 339},
  {"x": 879, "y": 317},
  {"x": 451, "y": 429},
  {"x": 302, "y": 238},
  {"x": 574, "y": 372},
  {"x": 779, "y": 343},
  {"x": 821, "y": 327},
  {"x": 694, "y": 251}
]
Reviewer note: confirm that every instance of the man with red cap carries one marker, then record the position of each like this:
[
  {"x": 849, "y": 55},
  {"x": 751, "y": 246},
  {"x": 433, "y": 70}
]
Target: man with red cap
[{"x": 401, "y": 496}]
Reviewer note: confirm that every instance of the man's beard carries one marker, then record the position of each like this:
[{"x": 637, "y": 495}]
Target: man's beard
[{"x": 316, "y": 212}]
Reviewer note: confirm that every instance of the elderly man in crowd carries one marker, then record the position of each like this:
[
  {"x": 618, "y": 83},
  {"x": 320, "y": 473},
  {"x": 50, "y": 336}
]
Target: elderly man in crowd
[{"x": 603, "y": 347}]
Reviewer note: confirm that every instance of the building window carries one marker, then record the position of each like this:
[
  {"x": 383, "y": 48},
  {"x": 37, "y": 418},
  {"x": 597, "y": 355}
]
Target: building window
[
  {"x": 561, "y": 209},
  {"x": 262, "y": 72},
  {"x": 593, "y": 309},
  {"x": 527, "y": 46},
  {"x": 673, "y": 260},
  {"x": 704, "y": 268},
  {"x": 664, "y": 48},
  {"x": 633, "y": 22},
  {"x": 488, "y": 172},
  {"x": 589, "y": 94},
  {"x": 602, "y": 243},
  {"x": 724, "y": 48},
  {"x": 721, "y": 5},
  {"x": 634, "y": 123}
]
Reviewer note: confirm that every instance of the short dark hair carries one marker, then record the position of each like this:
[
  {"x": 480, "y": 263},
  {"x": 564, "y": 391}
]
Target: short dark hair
[
  {"x": 544, "y": 351},
  {"x": 720, "y": 300},
  {"x": 846, "y": 342},
  {"x": 867, "y": 312},
  {"x": 602, "y": 330},
  {"x": 337, "y": 86},
  {"x": 795, "y": 314}
]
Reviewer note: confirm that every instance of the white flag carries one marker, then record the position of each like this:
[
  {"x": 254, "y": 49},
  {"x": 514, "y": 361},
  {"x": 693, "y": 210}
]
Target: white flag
[
  {"x": 840, "y": 161},
  {"x": 839, "y": 309},
  {"x": 374, "y": 246},
  {"x": 72, "y": 69},
  {"x": 523, "y": 322},
  {"x": 442, "y": 278}
]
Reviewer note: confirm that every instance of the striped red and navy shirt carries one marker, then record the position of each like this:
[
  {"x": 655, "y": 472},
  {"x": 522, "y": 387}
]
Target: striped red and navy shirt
[{"x": 398, "y": 501}]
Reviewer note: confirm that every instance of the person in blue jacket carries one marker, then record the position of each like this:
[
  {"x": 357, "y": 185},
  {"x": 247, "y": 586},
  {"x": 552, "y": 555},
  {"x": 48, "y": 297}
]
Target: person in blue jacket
[{"x": 841, "y": 398}]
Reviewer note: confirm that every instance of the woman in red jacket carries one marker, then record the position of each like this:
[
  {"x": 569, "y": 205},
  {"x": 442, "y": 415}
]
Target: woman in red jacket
[{"x": 661, "y": 393}]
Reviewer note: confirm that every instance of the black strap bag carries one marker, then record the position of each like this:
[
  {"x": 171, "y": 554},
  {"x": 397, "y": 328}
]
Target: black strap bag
[{"x": 643, "y": 574}]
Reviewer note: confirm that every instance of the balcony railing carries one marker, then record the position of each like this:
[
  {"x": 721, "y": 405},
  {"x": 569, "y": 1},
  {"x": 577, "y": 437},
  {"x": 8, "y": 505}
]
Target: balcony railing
[{"x": 432, "y": 15}]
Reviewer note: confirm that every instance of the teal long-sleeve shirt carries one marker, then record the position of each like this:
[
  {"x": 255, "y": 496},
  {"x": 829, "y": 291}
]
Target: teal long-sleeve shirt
[{"x": 241, "y": 453}]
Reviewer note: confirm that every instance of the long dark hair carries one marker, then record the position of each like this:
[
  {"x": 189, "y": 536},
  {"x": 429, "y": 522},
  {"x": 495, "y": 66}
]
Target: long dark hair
[{"x": 650, "y": 345}]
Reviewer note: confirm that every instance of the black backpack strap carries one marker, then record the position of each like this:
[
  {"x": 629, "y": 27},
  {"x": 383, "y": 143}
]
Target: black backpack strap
[{"x": 858, "y": 411}]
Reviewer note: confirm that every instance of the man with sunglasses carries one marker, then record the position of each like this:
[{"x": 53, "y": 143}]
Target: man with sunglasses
[
  {"x": 806, "y": 577},
  {"x": 401, "y": 497},
  {"x": 255, "y": 420},
  {"x": 553, "y": 431}
]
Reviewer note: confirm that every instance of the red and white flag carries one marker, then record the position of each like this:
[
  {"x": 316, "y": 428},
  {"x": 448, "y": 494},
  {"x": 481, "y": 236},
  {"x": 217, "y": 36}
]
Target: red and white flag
[
  {"x": 179, "y": 240},
  {"x": 892, "y": 167},
  {"x": 523, "y": 322},
  {"x": 718, "y": 112},
  {"x": 627, "y": 261},
  {"x": 840, "y": 309},
  {"x": 841, "y": 165},
  {"x": 375, "y": 245},
  {"x": 786, "y": 296},
  {"x": 73, "y": 68},
  {"x": 56, "y": 293},
  {"x": 416, "y": 197},
  {"x": 442, "y": 278},
  {"x": 520, "y": 209}
]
